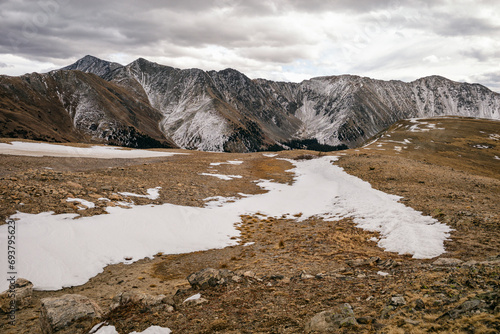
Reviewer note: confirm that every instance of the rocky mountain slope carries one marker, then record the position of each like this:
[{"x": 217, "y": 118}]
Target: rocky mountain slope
[
  {"x": 227, "y": 111},
  {"x": 75, "y": 106}
]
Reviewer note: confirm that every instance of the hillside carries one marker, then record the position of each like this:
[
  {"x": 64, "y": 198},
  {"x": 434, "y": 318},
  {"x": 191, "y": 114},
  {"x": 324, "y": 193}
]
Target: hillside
[{"x": 285, "y": 270}]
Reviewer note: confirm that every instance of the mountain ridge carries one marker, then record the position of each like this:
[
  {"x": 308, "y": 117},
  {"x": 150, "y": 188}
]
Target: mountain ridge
[{"x": 227, "y": 111}]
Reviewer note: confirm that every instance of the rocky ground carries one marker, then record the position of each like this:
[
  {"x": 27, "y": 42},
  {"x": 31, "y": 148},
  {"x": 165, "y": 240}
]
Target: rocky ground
[{"x": 287, "y": 276}]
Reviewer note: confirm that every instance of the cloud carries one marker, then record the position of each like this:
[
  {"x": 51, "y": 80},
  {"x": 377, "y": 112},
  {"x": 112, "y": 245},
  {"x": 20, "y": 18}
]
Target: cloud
[
  {"x": 482, "y": 54},
  {"x": 272, "y": 39},
  {"x": 489, "y": 79}
]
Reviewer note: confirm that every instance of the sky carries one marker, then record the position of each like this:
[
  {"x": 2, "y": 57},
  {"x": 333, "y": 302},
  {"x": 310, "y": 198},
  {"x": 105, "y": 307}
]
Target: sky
[{"x": 285, "y": 40}]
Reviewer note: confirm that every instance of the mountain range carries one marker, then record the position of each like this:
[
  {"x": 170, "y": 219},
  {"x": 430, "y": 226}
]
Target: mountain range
[{"x": 145, "y": 104}]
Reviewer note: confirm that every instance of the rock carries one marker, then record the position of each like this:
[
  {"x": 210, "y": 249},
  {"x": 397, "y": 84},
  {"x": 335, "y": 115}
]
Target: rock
[
  {"x": 322, "y": 322},
  {"x": 249, "y": 274},
  {"x": 397, "y": 301},
  {"x": 466, "y": 307},
  {"x": 332, "y": 320},
  {"x": 355, "y": 262},
  {"x": 73, "y": 185},
  {"x": 237, "y": 279},
  {"x": 389, "y": 263},
  {"x": 470, "y": 263},
  {"x": 23, "y": 292},
  {"x": 386, "y": 311},
  {"x": 419, "y": 305},
  {"x": 363, "y": 262},
  {"x": 304, "y": 276},
  {"x": 60, "y": 312},
  {"x": 447, "y": 262},
  {"x": 277, "y": 277},
  {"x": 115, "y": 197},
  {"x": 210, "y": 277},
  {"x": 132, "y": 297}
]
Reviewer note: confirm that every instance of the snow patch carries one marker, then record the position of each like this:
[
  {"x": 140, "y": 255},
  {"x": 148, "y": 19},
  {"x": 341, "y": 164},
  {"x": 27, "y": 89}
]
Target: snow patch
[
  {"x": 494, "y": 136},
  {"x": 218, "y": 201},
  {"x": 421, "y": 126},
  {"x": 87, "y": 204},
  {"x": 112, "y": 330},
  {"x": 223, "y": 177},
  {"x": 193, "y": 297},
  {"x": 481, "y": 146},
  {"x": 100, "y": 152},
  {"x": 153, "y": 193},
  {"x": 269, "y": 155},
  {"x": 229, "y": 162},
  {"x": 58, "y": 250}
]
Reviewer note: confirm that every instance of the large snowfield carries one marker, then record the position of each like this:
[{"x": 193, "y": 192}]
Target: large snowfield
[{"x": 54, "y": 251}]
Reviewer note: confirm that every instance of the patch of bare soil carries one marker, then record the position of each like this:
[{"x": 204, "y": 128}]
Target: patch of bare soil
[{"x": 284, "y": 272}]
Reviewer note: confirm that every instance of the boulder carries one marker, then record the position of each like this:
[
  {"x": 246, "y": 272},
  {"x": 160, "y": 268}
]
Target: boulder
[
  {"x": 332, "y": 320},
  {"x": 209, "y": 277},
  {"x": 447, "y": 262},
  {"x": 60, "y": 312},
  {"x": 143, "y": 299},
  {"x": 469, "y": 306},
  {"x": 23, "y": 290},
  {"x": 397, "y": 301}
]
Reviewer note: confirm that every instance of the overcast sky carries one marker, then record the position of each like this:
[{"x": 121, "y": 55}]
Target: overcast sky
[{"x": 289, "y": 40}]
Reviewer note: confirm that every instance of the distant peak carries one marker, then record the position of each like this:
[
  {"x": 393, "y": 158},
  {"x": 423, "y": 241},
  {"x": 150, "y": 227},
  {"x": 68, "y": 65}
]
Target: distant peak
[
  {"x": 90, "y": 57},
  {"x": 91, "y": 64}
]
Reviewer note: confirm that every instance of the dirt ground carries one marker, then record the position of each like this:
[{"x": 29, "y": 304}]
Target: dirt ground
[{"x": 293, "y": 270}]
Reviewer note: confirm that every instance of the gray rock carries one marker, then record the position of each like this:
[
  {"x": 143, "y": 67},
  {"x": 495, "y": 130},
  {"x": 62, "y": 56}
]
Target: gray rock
[
  {"x": 304, "y": 275},
  {"x": 249, "y": 274},
  {"x": 132, "y": 297},
  {"x": 332, "y": 320},
  {"x": 363, "y": 262},
  {"x": 385, "y": 314},
  {"x": 466, "y": 307},
  {"x": 387, "y": 264},
  {"x": 447, "y": 262},
  {"x": 23, "y": 291},
  {"x": 209, "y": 277},
  {"x": 397, "y": 301},
  {"x": 60, "y": 312},
  {"x": 323, "y": 322},
  {"x": 348, "y": 322}
]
